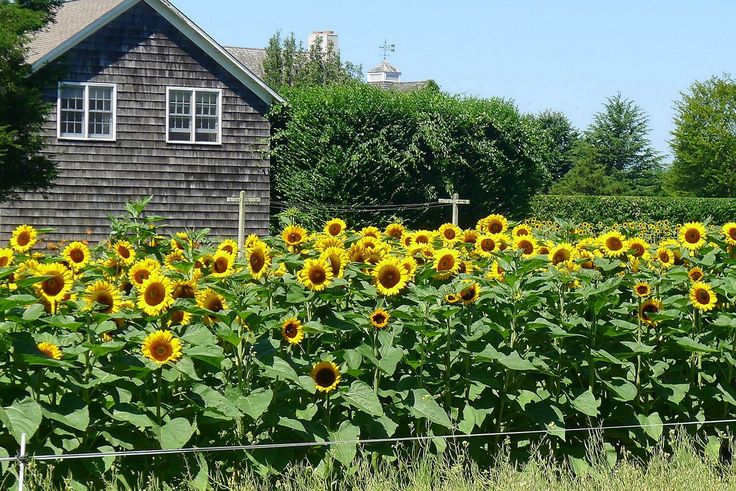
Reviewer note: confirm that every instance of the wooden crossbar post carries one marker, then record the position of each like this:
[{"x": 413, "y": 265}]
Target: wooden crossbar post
[
  {"x": 242, "y": 200},
  {"x": 455, "y": 201}
]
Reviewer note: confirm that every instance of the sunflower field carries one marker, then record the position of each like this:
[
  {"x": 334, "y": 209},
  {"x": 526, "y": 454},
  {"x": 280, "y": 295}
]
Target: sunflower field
[{"x": 150, "y": 342}]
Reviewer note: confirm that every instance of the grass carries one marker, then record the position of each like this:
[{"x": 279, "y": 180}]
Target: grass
[{"x": 683, "y": 468}]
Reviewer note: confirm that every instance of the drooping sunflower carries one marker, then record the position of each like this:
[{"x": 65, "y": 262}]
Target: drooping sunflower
[
  {"x": 526, "y": 244},
  {"x": 356, "y": 253},
  {"x": 337, "y": 257},
  {"x": 446, "y": 263},
  {"x": 521, "y": 230},
  {"x": 335, "y": 227},
  {"x": 142, "y": 269},
  {"x": 470, "y": 236},
  {"x": 58, "y": 284},
  {"x": 294, "y": 236},
  {"x": 259, "y": 258},
  {"x": 161, "y": 347},
  {"x": 316, "y": 274},
  {"x": 407, "y": 238},
  {"x": 692, "y": 236},
  {"x": 493, "y": 224},
  {"x": 613, "y": 244},
  {"x": 326, "y": 376},
  {"x": 642, "y": 289},
  {"x": 389, "y": 276},
  {"x": 370, "y": 231},
  {"x": 470, "y": 293},
  {"x": 380, "y": 318},
  {"x": 23, "y": 238},
  {"x": 486, "y": 244},
  {"x": 184, "y": 289},
  {"x": 124, "y": 252},
  {"x": 6, "y": 257},
  {"x": 395, "y": 230},
  {"x": 49, "y": 350},
  {"x": 639, "y": 248},
  {"x": 229, "y": 246},
  {"x": 648, "y": 308},
  {"x": 695, "y": 274},
  {"x": 702, "y": 296},
  {"x": 423, "y": 237},
  {"x": 561, "y": 253},
  {"x": 450, "y": 233},
  {"x": 452, "y": 298},
  {"x": 155, "y": 294},
  {"x": 211, "y": 300},
  {"x": 324, "y": 242},
  {"x": 292, "y": 330},
  {"x": 105, "y": 294},
  {"x": 222, "y": 265},
  {"x": 729, "y": 233},
  {"x": 76, "y": 255},
  {"x": 409, "y": 266}
]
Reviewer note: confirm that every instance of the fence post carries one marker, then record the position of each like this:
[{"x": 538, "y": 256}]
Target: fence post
[
  {"x": 241, "y": 222},
  {"x": 22, "y": 461},
  {"x": 455, "y": 201}
]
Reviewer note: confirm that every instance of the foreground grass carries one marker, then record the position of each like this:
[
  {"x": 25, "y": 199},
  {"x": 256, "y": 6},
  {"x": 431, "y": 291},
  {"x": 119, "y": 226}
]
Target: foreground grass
[{"x": 685, "y": 468}]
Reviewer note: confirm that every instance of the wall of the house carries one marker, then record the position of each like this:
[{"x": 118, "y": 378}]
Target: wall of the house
[{"x": 143, "y": 54}]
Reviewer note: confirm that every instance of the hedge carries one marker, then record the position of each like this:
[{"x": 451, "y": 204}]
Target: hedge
[{"x": 619, "y": 209}]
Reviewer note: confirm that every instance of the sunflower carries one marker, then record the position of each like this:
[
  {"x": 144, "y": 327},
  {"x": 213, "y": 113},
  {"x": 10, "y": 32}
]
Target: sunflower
[
  {"x": 639, "y": 248},
  {"x": 326, "y": 376},
  {"x": 161, "y": 347},
  {"x": 389, "y": 276},
  {"x": 470, "y": 236},
  {"x": 452, "y": 298},
  {"x": 181, "y": 241},
  {"x": 292, "y": 330},
  {"x": 526, "y": 244},
  {"x": 356, "y": 253},
  {"x": 729, "y": 233},
  {"x": 23, "y": 238},
  {"x": 259, "y": 258},
  {"x": 77, "y": 255},
  {"x": 155, "y": 294},
  {"x": 543, "y": 250},
  {"x": 337, "y": 258},
  {"x": 58, "y": 283},
  {"x": 521, "y": 230},
  {"x": 105, "y": 294},
  {"x": 702, "y": 296},
  {"x": 486, "y": 244},
  {"x": 6, "y": 257},
  {"x": 465, "y": 267},
  {"x": 422, "y": 252},
  {"x": 395, "y": 230},
  {"x": 174, "y": 257},
  {"x": 211, "y": 300},
  {"x": 613, "y": 244},
  {"x": 316, "y": 274},
  {"x": 49, "y": 350},
  {"x": 495, "y": 272},
  {"x": 179, "y": 317},
  {"x": 335, "y": 227},
  {"x": 647, "y": 308},
  {"x": 124, "y": 252},
  {"x": 666, "y": 257},
  {"x": 142, "y": 269},
  {"x": 561, "y": 253},
  {"x": 695, "y": 274},
  {"x": 674, "y": 247},
  {"x": 450, "y": 233},
  {"x": 409, "y": 265},
  {"x": 279, "y": 272},
  {"x": 493, "y": 224},
  {"x": 222, "y": 264},
  {"x": 379, "y": 318},
  {"x": 470, "y": 293},
  {"x": 324, "y": 242},
  {"x": 407, "y": 238},
  {"x": 642, "y": 289},
  {"x": 229, "y": 246},
  {"x": 184, "y": 289},
  {"x": 423, "y": 237},
  {"x": 692, "y": 236},
  {"x": 446, "y": 263},
  {"x": 293, "y": 236}
]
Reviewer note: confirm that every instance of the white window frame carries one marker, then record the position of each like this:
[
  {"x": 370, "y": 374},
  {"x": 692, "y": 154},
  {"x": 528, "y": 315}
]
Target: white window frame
[
  {"x": 85, "y": 122},
  {"x": 192, "y": 115}
]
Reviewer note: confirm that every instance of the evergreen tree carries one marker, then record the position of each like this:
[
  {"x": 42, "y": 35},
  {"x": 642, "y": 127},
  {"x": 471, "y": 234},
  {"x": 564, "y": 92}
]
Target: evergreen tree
[{"x": 562, "y": 138}]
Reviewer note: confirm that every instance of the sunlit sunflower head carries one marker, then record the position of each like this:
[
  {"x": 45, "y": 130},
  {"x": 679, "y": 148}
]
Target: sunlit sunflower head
[
  {"x": 613, "y": 244},
  {"x": 389, "y": 276},
  {"x": 178, "y": 317},
  {"x": 324, "y": 242},
  {"x": 665, "y": 257},
  {"x": 104, "y": 296},
  {"x": 229, "y": 246},
  {"x": 695, "y": 274},
  {"x": 294, "y": 236},
  {"x": 23, "y": 238},
  {"x": 370, "y": 232},
  {"x": 161, "y": 347},
  {"x": 495, "y": 272},
  {"x": 181, "y": 241},
  {"x": 561, "y": 253},
  {"x": 470, "y": 236},
  {"x": 292, "y": 330},
  {"x": 423, "y": 237},
  {"x": 259, "y": 259},
  {"x": 58, "y": 283},
  {"x": 521, "y": 230},
  {"x": 486, "y": 244},
  {"x": 142, "y": 269},
  {"x": 470, "y": 293},
  {"x": 446, "y": 263},
  {"x": 279, "y": 271},
  {"x": 674, "y": 248},
  {"x": 77, "y": 255},
  {"x": 692, "y": 236},
  {"x": 642, "y": 289},
  {"x": 452, "y": 298},
  {"x": 335, "y": 227},
  {"x": 649, "y": 308},
  {"x": 49, "y": 350},
  {"x": 422, "y": 252},
  {"x": 409, "y": 267},
  {"x": 526, "y": 244},
  {"x": 222, "y": 265},
  {"x": 6, "y": 257},
  {"x": 173, "y": 258},
  {"x": 124, "y": 252},
  {"x": 492, "y": 224},
  {"x": 702, "y": 296},
  {"x": 369, "y": 242},
  {"x": 543, "y": 249},
  {"x": 466, "y": 267},
  {"x": 394, "y": 230},
  {"x": 251, "y": 240},
  {"x": 326, "y": 376},
  {"x": 407, "y": 239},
  {"x": 380, "y": 318},
  {"x": 729, "y": 233},
  {"x": 184, "y": 289},
  {"x": 450, "y": 233},
  {"x": 155, "y": 294},
  {"x": 337, "y": 257},
  {"x": 639, "y": 248},
  {"x": 211, "y": 300},
  {"x": 316, "y": 274},
  {"x": 356, "y": 253}
]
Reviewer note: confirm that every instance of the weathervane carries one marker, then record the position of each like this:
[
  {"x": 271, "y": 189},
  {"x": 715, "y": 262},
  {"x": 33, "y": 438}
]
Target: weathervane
[{"x": 387, "y": 48}]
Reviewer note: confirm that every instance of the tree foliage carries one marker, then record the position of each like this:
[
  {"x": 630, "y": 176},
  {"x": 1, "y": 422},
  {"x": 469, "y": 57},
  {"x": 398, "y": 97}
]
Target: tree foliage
[
  {"x": 288, "y": 63},
  {"x": 562, "y": 138},
  {"x": 615, "y": 155},
  {"x": 704, "y": 140},
  {"x": 354, "y": 144},
  {"x": 22, "y": 109}
]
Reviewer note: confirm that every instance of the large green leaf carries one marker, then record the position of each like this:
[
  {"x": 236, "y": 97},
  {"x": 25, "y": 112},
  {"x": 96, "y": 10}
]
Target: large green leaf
[
  {"x": 362, "y": 397},
  {"x": 345, "y": 452},
  {"x": 279, "y": 369},
  {"x": 216, "y": 401},
  {"x": 175, "y": 433},
  {"x": 513, "y": 361},
  {"x": 22, "y": 417},
  {"x": 586, "y": 403},
  {"x": 652, "y": 425},
  {"x": 256, "y": 403},
  {"x": 426, "y": 407},
  {"x": 622, "y": 389},
  {"x": 71, "y": 411},
  {"x": 212, "y": 355},
  {"x": 133, "y": 415}
]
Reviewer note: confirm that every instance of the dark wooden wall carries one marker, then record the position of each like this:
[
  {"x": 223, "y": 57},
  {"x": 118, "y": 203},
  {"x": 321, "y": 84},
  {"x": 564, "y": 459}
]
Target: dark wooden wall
[{"x": 143, "y": 54}]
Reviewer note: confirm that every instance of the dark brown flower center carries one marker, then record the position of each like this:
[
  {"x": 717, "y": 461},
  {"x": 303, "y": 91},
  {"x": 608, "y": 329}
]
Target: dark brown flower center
[
  {"x": 53, "y": 285},
  {"x": 325, "y": 377},
  {"x": 124, "y": 252},
  {"x": 389, "y": 276},
  {"x": 257, "y": 261},
  {"x": 23, "y": 238},
  {"x": 155, "y": 294},
  {"x": 614, "y": 244},
  {"x": 703, "y": 296},
  {"x": 692, "y": 236},
  {"x": 76, "y": 255}
]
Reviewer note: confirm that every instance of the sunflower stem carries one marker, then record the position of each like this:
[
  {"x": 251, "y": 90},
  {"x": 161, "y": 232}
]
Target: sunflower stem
[
  {"x": 159, "y": 374},
  {"x": 637, "y": 375},
  {"x": 375, "y": 356},
  {"x": 448, "y": 393}
]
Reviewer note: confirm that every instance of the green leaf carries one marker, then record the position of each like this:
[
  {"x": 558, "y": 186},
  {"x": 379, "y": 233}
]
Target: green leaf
[
  {"x": 426, "y": 407},
  {"x": 362, "y": 397},
  {"x": 586, "y": 403},
  {"x": 212, "y": 355},
  {"x": 345, "y": 452},
  {"x": 652, "y": 425},
  {"x": 515, "y": 362},
  {"x": 71, "y": 411},
  {"x": 280, "y": 369},
  {"x": 131, "y": 414},
  {"x": 693, "y": 345},
  {"x": 33, "y": 312},
  {"x": 622, "y": 389},
  {"x": 176, "y": 433},
  {"x": 256, "y": 403},
  {"x": 216, "y": 401},
  {"x": 467, "y": 424},
  {"x": 390, "y": 358},
  {"x": 22, "y": 417}
]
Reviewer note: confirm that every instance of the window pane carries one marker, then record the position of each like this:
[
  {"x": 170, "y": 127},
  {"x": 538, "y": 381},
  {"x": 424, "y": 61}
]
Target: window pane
[
  {"x": 100, "y": 112},
  {"x": 180, "y": 115},
  {"x": 206, "y": 117},
  {"x": 71, "y": 120}
]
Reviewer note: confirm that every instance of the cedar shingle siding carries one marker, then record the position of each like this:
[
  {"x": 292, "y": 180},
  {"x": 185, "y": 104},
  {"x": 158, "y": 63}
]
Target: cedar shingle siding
[{"x": 143, "y": 53}]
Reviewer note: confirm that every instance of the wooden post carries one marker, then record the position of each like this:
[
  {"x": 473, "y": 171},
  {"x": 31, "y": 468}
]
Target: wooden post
[
  {"x": 22, "y": 462},
  {"x": 242, "y": 200},
  {"x": 455, "y": 201}
]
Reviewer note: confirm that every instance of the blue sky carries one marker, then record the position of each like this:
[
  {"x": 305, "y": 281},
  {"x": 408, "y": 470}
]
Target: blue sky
[{"x": 563, "y": 55}]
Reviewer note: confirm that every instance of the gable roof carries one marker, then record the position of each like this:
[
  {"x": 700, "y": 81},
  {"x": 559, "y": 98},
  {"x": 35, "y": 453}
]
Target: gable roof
[
  {"x": 76, "y": 20},
  {"x": 384, "y": 66},
  {"x": 250, "y": 57}
]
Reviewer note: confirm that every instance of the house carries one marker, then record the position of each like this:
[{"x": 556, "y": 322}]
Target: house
[
  {"x": 147, "y": 104},
  {"x": 386, "y": 76}
]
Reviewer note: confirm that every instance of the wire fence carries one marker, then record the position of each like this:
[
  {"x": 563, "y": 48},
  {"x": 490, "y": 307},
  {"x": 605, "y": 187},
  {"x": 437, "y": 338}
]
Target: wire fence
[{"x": 281, "y": 205}]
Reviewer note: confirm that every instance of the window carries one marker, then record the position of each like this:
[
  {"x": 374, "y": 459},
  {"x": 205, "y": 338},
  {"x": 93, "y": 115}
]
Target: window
[
  {"x": 86, "y": 111},
  {"x": 193, "y": 115}
]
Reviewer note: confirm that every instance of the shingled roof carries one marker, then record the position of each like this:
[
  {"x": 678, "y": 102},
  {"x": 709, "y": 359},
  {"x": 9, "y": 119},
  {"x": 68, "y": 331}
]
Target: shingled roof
[
  {"x": 76, "y": 20},
  {"x": 250, "y": 57}
]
